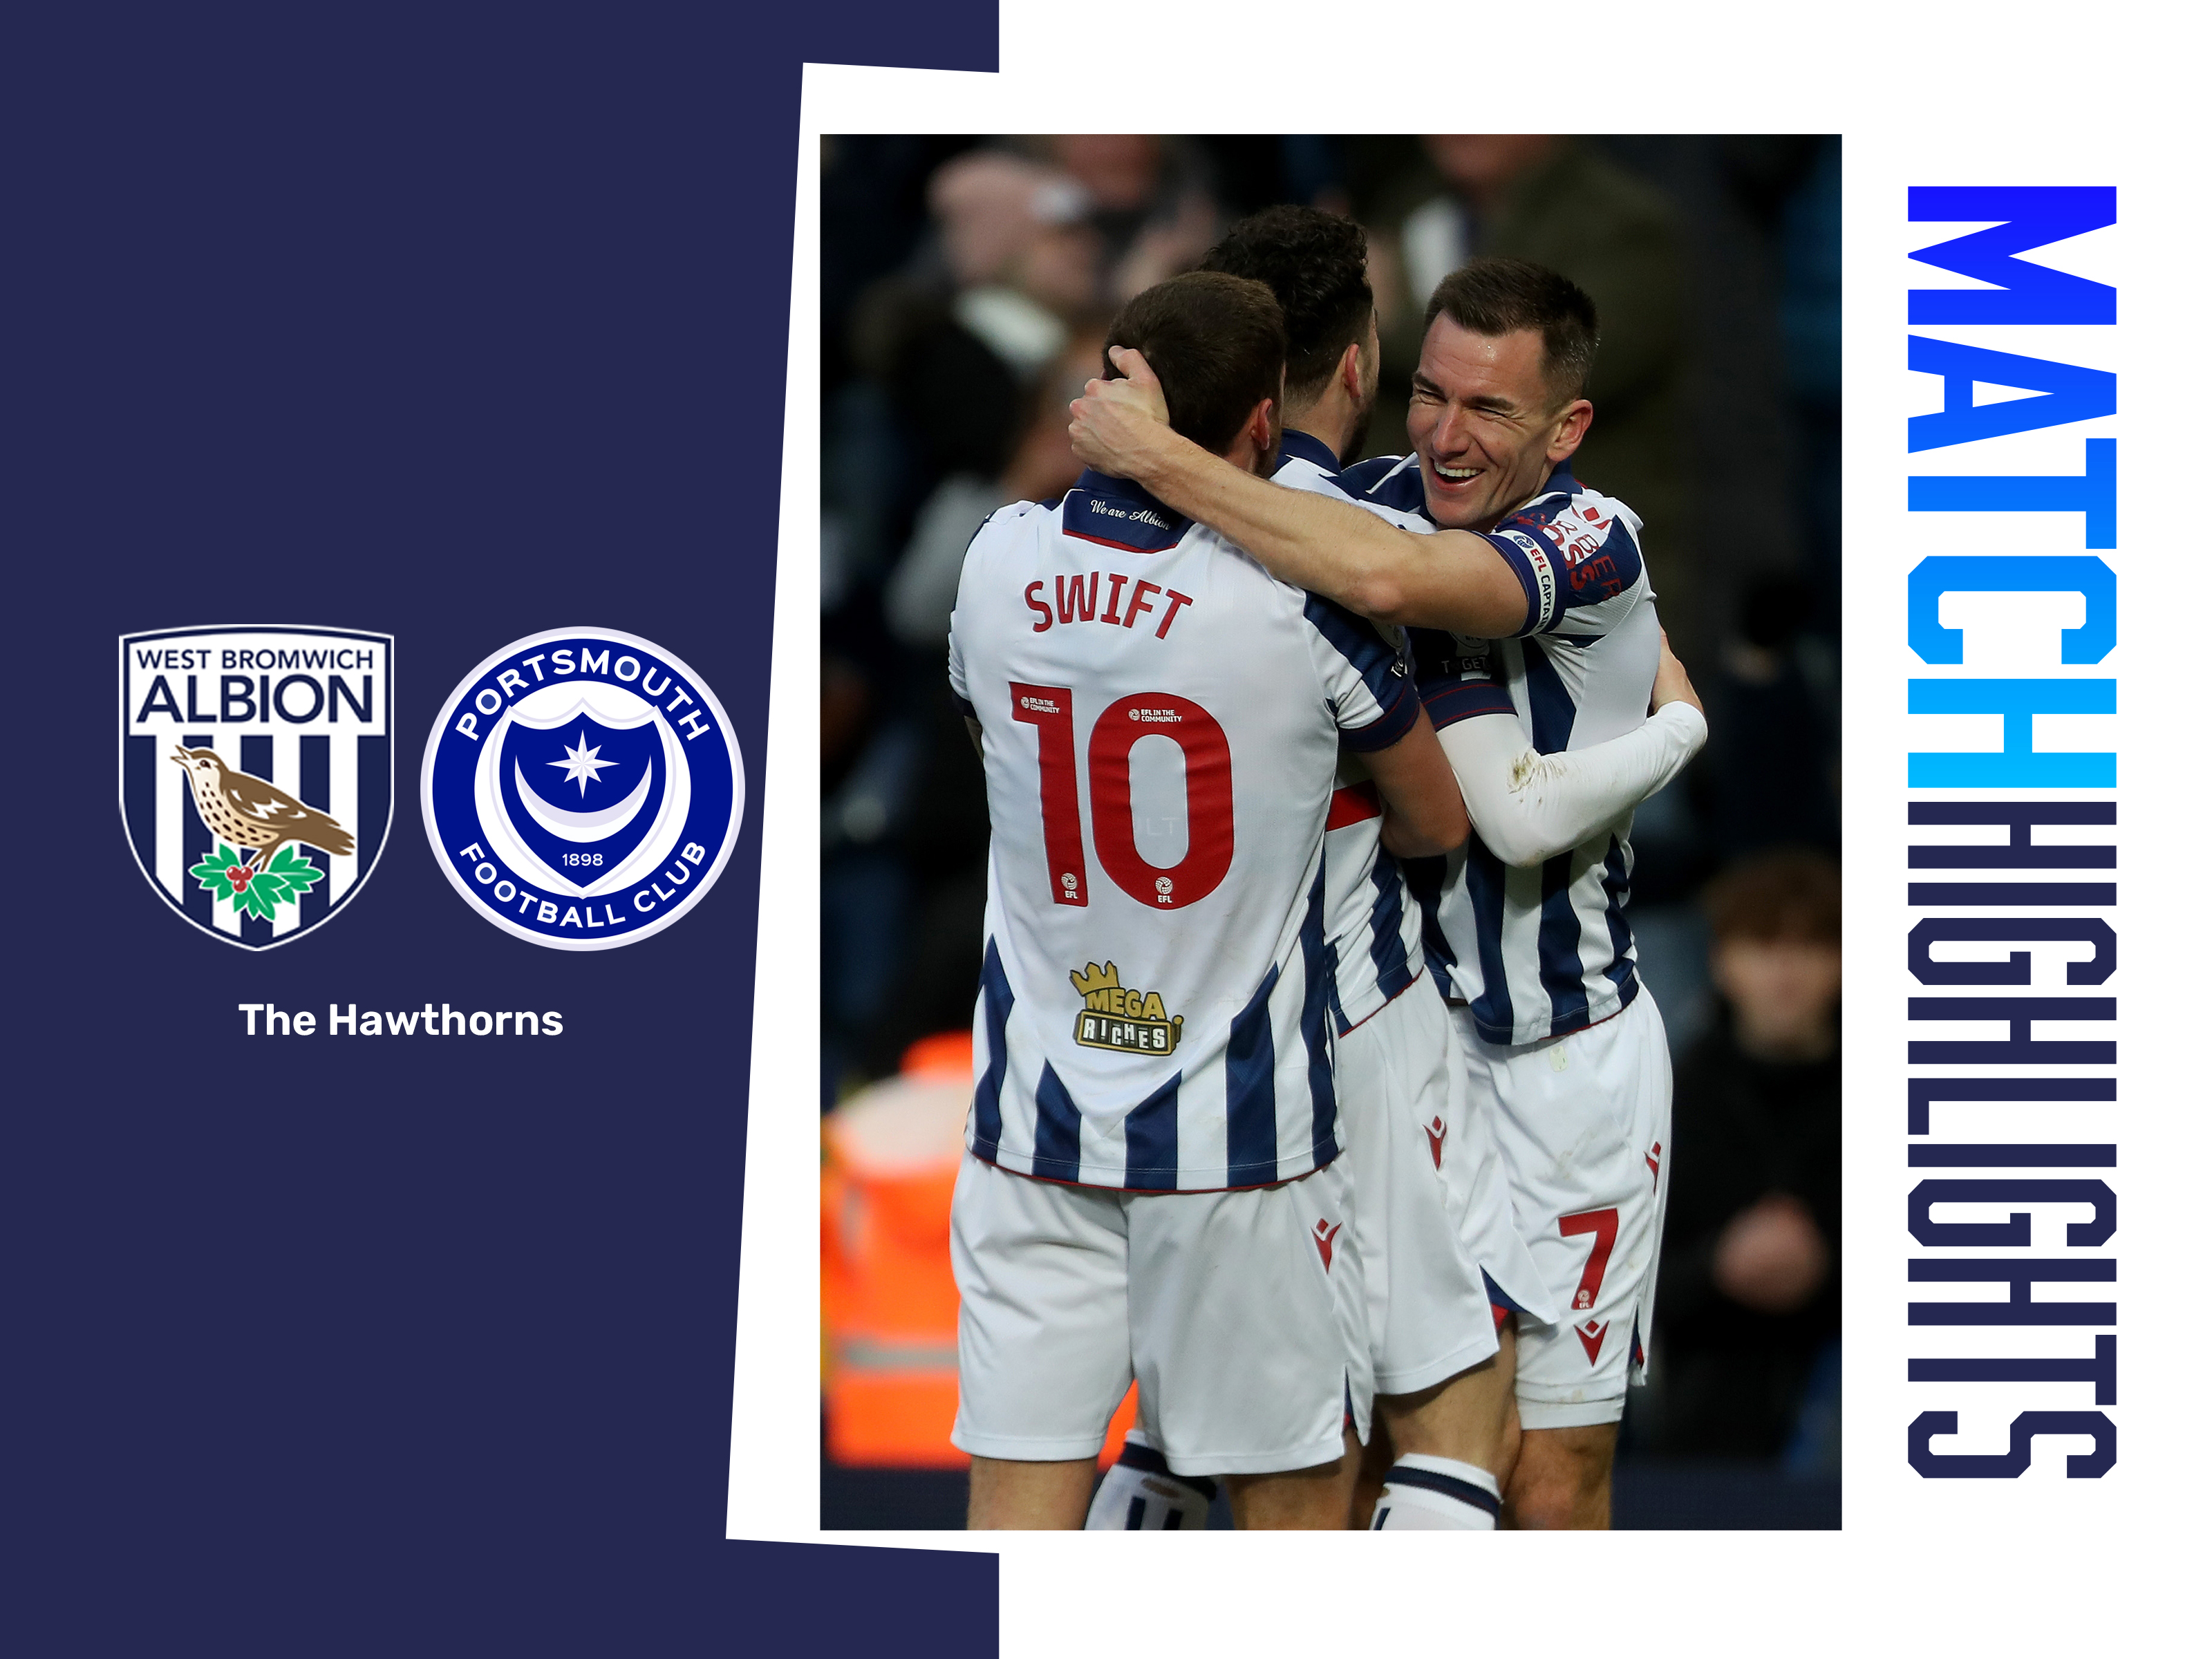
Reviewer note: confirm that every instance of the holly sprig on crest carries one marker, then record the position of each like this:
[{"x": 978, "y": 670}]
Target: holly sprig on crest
[{"x": 257, "y": 892}]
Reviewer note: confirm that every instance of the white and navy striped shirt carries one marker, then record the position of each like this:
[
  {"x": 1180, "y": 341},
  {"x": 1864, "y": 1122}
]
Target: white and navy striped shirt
[
  {"x": 1538, "y": 952},
  {"x": 1160, "y": 720},
  {"x": 1374, "y": 927}
]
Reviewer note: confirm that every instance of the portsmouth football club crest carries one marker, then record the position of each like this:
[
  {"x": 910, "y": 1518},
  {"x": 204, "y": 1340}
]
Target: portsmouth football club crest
[
  {"x": 256, "y": 773},
  {"x": 582, "y": 788}
]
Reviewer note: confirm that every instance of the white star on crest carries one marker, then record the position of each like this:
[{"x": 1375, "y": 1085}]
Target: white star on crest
[{"x": 583, "y": 763}]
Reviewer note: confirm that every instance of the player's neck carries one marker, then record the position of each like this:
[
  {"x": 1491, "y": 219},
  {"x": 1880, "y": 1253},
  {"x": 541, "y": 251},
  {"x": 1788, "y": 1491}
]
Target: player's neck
[
  {"x": 1533, "y": 492},
  {"x": 1244, "y": 454},
  {"x": 1330, "y": 417}
]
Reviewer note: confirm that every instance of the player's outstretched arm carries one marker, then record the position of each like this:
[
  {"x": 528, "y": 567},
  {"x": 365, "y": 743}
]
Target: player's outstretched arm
[
  {"x": 1451, "y": 580},
  {"x": 1423, "y": 814},
  {"x": 1528, "y": 807}
]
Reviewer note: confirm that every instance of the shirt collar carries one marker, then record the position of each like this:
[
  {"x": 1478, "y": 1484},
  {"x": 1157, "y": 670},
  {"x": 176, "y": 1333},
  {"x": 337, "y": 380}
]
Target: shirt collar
[
  {"x": 1304, "y": 447},
  {"x": 1121, "y": 513}
]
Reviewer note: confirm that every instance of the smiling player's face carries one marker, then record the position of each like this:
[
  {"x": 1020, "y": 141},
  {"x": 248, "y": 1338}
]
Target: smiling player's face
[{"x": 1485, "y": 425}]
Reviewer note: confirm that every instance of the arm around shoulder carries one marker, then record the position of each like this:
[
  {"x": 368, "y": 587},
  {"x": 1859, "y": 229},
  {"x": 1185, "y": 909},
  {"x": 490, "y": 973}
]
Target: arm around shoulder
[{"x": 1451, "y": 579}]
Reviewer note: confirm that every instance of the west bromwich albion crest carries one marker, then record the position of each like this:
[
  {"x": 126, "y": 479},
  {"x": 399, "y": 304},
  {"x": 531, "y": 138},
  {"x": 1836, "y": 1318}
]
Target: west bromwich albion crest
[
  {"x": 582, "y": 788},
  {"x": 256, "y": 772}
]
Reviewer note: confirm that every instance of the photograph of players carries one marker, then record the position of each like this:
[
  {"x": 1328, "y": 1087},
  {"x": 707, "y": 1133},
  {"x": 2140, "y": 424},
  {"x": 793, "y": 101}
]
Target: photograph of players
[{"x": 1361, "y": 1047}]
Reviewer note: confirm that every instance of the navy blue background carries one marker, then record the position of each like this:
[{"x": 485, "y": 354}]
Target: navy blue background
[{"x": 458, "y": 323}]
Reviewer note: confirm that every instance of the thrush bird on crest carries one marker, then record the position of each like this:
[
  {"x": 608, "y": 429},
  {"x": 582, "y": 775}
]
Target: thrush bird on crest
[{"x": 253, "y": 813}]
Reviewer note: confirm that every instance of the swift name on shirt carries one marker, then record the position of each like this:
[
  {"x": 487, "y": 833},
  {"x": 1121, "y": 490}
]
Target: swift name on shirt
[{"x": 1076, "y": 598}]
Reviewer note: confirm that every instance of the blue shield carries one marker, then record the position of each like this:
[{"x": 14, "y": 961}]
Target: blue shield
[
  {"x": 582, "y": 794},
  {"x": 581, "y": 789}
]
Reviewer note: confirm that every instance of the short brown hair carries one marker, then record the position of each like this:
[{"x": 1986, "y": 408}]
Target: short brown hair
[
  {"x": 1494, "y": 296},
  {"x": 1791, "y": 893},
  {"x": 1215, "y": 341},
  {"x": 1315, "y": 264}
]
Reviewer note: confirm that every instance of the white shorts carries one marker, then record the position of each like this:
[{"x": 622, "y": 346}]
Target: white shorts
[
  {"x": 1583, "y": 1123},
  {"x": 1241, "y": 1316},
  {"x": 1435, "y": 1211}
]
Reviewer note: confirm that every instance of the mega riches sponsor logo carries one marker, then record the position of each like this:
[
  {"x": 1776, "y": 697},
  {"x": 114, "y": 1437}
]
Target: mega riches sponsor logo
[
  {"x": 1122, "y": 1017},
  {"x": 256, "y": 772},
  {"x": 582, "y": 788}
]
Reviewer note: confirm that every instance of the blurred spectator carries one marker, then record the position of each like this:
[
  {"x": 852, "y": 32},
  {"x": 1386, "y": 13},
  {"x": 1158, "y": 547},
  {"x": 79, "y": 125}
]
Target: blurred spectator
[
  {"x": 1007, "y": 222},
  {"x": 872, "y": 755},
  {"x": 1151, "y": 202},
  {"x": 1076, "y": 224},
  {"x": 1749, "y": 1297},
  {"x": 918, "y": 599}
]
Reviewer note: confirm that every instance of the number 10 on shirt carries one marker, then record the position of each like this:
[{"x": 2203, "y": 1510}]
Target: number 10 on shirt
[{"x": 1209, "y": 798}]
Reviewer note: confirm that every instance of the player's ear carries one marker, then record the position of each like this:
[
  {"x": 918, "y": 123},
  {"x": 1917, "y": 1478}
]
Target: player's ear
[
  {"x": 1260, "y": 427},
  {"x": 1568, "y": 430},
  {"x": 1347, "y": 370}
]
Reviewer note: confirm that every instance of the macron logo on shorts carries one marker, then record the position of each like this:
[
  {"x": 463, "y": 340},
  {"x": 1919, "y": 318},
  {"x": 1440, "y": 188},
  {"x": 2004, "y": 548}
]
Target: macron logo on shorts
[
  {"x": 1324, "y": 1237},
  {"x": 1434, "y": 1127}
]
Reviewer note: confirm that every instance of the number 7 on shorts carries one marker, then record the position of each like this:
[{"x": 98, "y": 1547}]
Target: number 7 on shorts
[{"x": 1605, "y": 1225}]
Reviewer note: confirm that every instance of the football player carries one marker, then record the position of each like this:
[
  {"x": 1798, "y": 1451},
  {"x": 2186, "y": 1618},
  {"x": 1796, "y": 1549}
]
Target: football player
[{"x": 1154, "y": 1189}]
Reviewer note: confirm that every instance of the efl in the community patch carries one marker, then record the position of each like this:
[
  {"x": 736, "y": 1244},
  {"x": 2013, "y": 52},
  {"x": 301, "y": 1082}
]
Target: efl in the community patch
[
  {"x": 256, "y": 772},
  {"x": 582, "y": 788}
]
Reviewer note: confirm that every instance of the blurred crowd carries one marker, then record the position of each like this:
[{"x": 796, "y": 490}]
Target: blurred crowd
[{"x": 966, "y": 286}]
